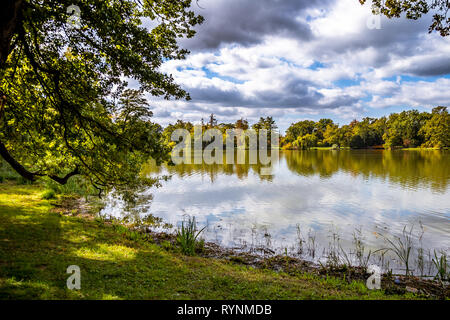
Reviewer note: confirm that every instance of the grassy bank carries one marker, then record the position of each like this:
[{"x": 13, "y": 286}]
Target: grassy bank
[{"x": 37, "y": 244}]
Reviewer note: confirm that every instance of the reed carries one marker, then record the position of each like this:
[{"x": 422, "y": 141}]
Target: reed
[
  {"x": 441, "y": 264},
  {"x": 401, "y": 247},
  {"x": 187, "y": 236}
]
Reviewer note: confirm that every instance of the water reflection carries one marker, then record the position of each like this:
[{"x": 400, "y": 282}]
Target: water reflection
[
  {"x": 412, "y": 169},
  {"x": 311, "y": 192}
]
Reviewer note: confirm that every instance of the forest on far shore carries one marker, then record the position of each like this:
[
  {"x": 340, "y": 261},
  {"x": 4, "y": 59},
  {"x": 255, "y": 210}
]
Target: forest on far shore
[{"x": 407, "y": 129}]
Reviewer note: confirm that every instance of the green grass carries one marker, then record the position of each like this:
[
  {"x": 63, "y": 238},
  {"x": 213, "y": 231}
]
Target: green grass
[
  {"x": 37, "y": 245},
  {"x": 48, "y": 194}
]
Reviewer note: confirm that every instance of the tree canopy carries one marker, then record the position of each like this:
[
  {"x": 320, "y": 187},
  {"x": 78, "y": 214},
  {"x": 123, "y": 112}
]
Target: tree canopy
[
  {"x": 405, "y": 129},
  {"x": 415, "y": 9},
  {"x": 64, "y": 104}
]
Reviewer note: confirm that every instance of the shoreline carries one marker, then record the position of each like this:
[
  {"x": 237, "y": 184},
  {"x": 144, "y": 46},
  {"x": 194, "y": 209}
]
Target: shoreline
[
  {"x": 65, "y": 231},
  {"x": 269, "y": 259},
  {"x": 392, "y": 283}
]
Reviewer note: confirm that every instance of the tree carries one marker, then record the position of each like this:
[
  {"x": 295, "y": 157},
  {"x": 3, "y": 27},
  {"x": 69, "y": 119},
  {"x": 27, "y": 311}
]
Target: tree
[
  {"x": 241, "y": 124},
  {"x": 305, "y": 142},
  {"x": 180, "y": 124},
  {"x": 299, "y": 129},
  {"x": 321, "y": 127},
  {"x": 64, "y": 107},
  {"x": 437, "y": 129},
  {"x": 357, "y": 142},
  {"x": 415, "y": 9},
  {"x": 331, "y": 134},
  {"x": 379, "y": 126},
  {"x": 212, "y": 121},
  {"x": 403, "y": 129},
  {"x": 265, "y": 123},
  {"x": 339, "y": 136},
  {"x": 323, "y": 124},
  {"x": 368, "y": 133}
]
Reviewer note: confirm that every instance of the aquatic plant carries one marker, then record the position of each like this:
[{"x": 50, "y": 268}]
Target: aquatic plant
[
  {"x": 311, "y": 244},
  {"x": 187, "y": 236},
  {"x": 442, "y": 266},
  {"x": 300, "y": 240},
  {"x": 358, "y": 242},
  {"x": 401, "y": 247}
]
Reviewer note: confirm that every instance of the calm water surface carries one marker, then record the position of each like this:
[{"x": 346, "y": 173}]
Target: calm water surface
[{"x": 311, "y": 194}]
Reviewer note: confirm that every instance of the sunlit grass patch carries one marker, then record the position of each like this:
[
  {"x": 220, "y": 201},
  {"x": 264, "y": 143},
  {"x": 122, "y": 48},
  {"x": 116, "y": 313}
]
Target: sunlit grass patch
[{"x": 106, "y": 252}]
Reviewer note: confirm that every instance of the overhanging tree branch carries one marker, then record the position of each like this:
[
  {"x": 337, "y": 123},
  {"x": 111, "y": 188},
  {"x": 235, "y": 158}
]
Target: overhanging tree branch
[
  {"x": 20, "y": 169},
  {"x": 16, "y": 165},
  {"x": 64, "y": 179}
]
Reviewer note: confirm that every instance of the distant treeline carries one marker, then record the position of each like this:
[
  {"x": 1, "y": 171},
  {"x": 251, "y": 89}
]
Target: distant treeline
[
  {"x": 406, "y": 129},
  {"x": 264, "y": 123}
]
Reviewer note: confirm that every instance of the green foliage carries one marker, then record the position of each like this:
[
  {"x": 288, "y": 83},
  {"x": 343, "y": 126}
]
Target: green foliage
[
  {"x": 299, "y": 129},
  {"x": 187, "y": 236},
  {"x": 65, "y": 109},
  {"x": 22, "y": 180},
  {"x": 306, "y": 142},
  {"x": 128, "y": 233},
  {"x": 415, "y": 9},
  {"x": 334, "y": 135},
  {"x": 77, "y": 185},
  {"x": 436, "y": 130},
  {"x": 358, "y": 242},
  {"x": 48, "y": 194},
  {"x": 406, "y": 129},
  {"x": 356, "y": 142},
  {"x": 180, "y": 124},
  {"x": 442, "y": 267},
  {"x": 266, "y": 123},
  {"x": 6, "y": 172}
]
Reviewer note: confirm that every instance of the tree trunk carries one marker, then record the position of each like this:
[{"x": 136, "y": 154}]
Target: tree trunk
[
  {"x": 9, "y": 19},
  {"x": 10, "y": 14}
]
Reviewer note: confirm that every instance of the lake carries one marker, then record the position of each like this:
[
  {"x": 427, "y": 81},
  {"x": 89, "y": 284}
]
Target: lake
[{"x": 311, "y": 199}]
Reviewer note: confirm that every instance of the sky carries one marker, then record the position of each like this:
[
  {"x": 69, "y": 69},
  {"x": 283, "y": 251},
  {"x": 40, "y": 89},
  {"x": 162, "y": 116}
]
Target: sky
[{"x": 305, "y": 60}]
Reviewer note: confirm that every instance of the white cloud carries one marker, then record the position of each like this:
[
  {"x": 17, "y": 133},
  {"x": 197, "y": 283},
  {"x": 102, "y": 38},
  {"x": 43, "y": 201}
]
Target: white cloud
[{"x": 277, "y": 73}]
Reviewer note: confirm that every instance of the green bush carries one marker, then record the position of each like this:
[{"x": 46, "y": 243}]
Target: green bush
[
  {"x": 48, "y": 194},
  {"x": 22, "y": 180},
  {"x": 6, "y": 172},
  {"x": 77, "y": 185}
]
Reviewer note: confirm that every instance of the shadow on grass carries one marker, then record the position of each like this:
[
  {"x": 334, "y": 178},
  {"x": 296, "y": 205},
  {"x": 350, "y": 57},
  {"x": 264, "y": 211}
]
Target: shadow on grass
[{"x": 37, "y": 246}]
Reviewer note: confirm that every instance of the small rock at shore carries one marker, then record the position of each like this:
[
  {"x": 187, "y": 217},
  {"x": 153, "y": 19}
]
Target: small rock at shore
[{"x": 412, "y": 290}]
